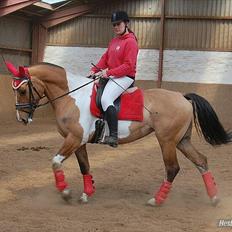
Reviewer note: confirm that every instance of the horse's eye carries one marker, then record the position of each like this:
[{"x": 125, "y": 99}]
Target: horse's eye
[{"x": 22, "y": 92}]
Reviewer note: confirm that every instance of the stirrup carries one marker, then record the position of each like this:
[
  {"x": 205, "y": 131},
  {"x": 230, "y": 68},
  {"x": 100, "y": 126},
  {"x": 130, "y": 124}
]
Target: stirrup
[
  {"x": 99, "y": 131},
  {"x": 111, "y": 141}
]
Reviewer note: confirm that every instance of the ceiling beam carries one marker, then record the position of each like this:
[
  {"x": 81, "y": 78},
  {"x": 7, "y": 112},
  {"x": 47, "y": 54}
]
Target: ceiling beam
[
  {"x": 5, "y": 3},
  {"x": 44, "y": 5},
  {"x": 10, "y": 6},
  {"x": 31, "y": 13},
  {"x": 64, "y": 15}
]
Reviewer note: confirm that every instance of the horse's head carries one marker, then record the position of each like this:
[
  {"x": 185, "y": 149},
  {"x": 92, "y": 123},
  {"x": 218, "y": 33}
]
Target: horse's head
[{"x": 28, "y": 91}]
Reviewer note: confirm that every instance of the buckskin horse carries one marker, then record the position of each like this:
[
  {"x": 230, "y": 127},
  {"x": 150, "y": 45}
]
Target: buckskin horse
[{"x": 169, "y": 114}]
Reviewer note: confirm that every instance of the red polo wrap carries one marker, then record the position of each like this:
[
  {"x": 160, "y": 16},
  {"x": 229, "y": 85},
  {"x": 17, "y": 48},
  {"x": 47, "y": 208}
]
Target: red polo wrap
[
  {"x": 210, "y": 184},
  {"x": 89, "y": 187},
  {"x": 60, "y": 180},
  {"x": 162, "y": 194}
]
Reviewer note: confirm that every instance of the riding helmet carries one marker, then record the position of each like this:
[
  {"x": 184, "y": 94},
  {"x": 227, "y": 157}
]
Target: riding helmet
[{"x": 118, "y": 16}]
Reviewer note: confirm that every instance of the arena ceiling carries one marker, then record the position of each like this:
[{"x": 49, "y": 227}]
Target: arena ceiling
[{"x": 48, "y": 14}]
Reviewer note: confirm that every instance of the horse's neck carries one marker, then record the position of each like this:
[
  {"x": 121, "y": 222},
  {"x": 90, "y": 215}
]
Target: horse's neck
[
  {"x": 76, "y": 81},
  {"x": 54, "y": 79},
  {"x": 58, "y": 82}
]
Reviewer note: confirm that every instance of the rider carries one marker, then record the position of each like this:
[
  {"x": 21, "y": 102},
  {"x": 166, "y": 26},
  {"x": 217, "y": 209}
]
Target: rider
[{"x": 118, "y": 63}]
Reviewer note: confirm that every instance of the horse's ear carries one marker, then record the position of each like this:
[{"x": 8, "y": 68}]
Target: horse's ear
[
  {"x": 23, "y": 72},
  {"x": 12, "y": 69}
]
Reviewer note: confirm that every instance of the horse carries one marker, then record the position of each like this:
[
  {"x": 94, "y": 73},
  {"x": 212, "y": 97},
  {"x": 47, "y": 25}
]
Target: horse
[{"x": 171, "y": 115}]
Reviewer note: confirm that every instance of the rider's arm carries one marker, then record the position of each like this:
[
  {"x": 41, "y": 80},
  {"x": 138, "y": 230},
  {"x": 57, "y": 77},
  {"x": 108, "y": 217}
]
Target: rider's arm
[
  {"x": 102, "y": 64},
  {"x": 129, "y": 61}
]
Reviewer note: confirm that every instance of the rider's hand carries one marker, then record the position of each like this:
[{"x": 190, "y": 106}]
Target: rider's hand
[
  {"x": 91, "y": 75},
  {"x": 102, "y": 74}
]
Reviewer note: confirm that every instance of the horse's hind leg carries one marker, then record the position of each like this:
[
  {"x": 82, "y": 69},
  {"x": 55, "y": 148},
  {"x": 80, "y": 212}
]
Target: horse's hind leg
[
  {"x": 200, "y": 161},
  {"x": 83, "y": 161},
  {"x": 172, "y": 168}
]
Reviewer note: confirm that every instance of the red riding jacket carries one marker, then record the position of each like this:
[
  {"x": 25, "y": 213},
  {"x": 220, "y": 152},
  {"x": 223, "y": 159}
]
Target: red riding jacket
[{"x": 120, "y": 57}]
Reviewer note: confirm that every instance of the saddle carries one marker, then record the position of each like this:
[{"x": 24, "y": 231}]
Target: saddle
[{"x": 129, "y": 106}]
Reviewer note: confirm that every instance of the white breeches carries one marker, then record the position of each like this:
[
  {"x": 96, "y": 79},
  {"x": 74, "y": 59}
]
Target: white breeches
[{"x": 112, "y": 91}]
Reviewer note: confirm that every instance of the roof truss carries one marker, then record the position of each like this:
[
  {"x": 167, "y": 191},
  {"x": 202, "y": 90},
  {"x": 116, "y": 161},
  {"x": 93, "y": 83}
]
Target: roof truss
[{"x": 10, "y": 6}]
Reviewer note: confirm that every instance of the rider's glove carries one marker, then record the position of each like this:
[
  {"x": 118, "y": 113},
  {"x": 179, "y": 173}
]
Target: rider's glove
[
  {"x": 102, "y": 74},
  {"x": 91, "y": 75}
]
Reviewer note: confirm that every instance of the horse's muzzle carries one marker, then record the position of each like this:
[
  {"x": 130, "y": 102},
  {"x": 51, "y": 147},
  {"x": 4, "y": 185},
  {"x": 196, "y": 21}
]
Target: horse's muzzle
[{"x": 25, "y": 120}]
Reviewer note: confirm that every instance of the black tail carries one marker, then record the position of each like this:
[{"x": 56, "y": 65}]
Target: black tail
[{"x": 207, "y": 122}]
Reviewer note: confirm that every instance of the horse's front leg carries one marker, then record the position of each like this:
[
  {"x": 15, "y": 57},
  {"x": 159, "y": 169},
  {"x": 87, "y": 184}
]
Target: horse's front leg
[
  {"x": 71, "y": 144},
  {"x": 83, "y": 161}
]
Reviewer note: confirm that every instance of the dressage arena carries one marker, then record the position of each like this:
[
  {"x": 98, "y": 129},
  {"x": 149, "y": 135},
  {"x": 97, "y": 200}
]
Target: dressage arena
[
  {"x": 196, "y": 57},
  {"x": 125, "y": 179}
]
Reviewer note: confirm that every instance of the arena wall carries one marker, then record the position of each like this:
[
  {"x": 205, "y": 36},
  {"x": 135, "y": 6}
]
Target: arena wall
[
  {"x": 205, "y": 73},
  {"x": 179, "y": 66}
]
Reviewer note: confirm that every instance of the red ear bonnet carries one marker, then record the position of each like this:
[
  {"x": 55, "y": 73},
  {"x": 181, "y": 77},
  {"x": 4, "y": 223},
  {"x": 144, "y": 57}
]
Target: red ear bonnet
[
  {"x": 12, "y": 69},
  {"x": 20, "y": 76}
]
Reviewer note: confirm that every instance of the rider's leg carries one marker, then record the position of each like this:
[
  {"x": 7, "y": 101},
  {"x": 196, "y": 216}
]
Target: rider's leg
[
  {"x": 111, "y": 92},
  {"x": 112, "y": 120}
]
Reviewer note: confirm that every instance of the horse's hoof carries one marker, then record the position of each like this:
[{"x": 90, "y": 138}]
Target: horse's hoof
[
  {"x": 152, "y": 202},
  {"x": 83, "y": 198},
  {"x": 214, "y": 201},
  {"x": 66, "y": 194}
]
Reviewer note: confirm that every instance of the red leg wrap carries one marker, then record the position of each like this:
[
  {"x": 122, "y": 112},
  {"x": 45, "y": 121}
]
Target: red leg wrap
[
  {"x": 162, "y": 194},
  {"x": 210, "y": 184},
  {"x": 89, "y": 187},
  {"x": 60, "y": 182}
]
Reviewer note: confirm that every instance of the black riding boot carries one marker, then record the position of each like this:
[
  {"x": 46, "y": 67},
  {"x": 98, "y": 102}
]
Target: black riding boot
[{"x": 112, "y": 120}]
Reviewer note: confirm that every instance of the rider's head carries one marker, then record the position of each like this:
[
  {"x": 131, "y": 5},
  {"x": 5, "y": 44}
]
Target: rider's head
[{"x": 120, "y": 20}]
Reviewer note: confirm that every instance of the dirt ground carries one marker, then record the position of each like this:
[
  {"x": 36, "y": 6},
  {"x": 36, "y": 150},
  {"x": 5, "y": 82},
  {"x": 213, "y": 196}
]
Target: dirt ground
[{"x": 125, "y": 179}]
